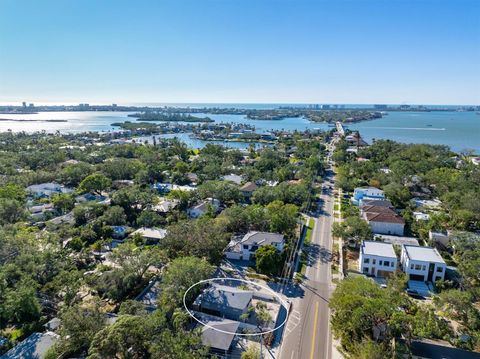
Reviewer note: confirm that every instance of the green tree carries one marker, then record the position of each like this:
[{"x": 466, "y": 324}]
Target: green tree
[
  {"x": 63, "y": 202},
  {"x": 268, "y": 260},
  {"x": 251, "y": 353},
  {"x": 20, "y": 305},
  {"x": 179, "y": 276},
  {"x": 95, "y": 183},
  {"x": 359, "y": 306},
  {"x": 282, "y": 217},
  {"x": 78, "y": 328},
  {"x": 11, "y": 211},
  {"x": 126, "y": 338},
  {"x": 353, "y": 229},
  {"x": 13, "y": 191}
]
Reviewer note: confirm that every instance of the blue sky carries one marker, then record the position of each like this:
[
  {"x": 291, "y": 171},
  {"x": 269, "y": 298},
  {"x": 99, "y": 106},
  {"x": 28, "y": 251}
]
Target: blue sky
[{"x": 240, "y": 51}]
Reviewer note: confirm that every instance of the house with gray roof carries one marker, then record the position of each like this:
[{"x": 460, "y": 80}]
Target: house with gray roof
[
  {"x": 43, "y": 190},
  {"x": 33, "y": 347},
  {"x": 203, "y": 207},
  {"x": 244, "y": 248},
  {"x": 220, "y": 342},
  {"x": 224, "y": 301},
  {"x": 233, "y": 178},
  {"x": 150, "y": 235}
]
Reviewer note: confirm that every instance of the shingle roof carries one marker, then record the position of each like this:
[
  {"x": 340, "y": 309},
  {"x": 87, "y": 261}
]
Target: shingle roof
[
  {"x": 248, "y": 187},
  {"x": 384, "y": 217},
  {"x": 35, "y": 346},
  {"x": 154, "y": 233},
  {"x": 221, "y": 298},
  {"x": 256, "y": 238},
  {"x": 378, "y": 209},
  {"x": 376, "y": 202},
  {"x": 219, "y": 340}
]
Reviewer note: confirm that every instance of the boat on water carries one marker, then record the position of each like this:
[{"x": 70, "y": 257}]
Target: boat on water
[{"x": 429, "y": 125}]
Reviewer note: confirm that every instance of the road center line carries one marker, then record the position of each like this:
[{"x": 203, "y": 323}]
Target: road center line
[{"x": 314, "y": 331}]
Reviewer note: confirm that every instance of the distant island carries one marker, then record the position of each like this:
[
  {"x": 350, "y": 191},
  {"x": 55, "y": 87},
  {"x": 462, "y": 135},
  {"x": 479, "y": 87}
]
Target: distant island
[
  {"x": 169, "y": 117},
  {"x": 30, "y": 120}
]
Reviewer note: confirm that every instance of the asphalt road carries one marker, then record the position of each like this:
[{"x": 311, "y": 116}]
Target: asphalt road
[{"x": 307, "y": 332}]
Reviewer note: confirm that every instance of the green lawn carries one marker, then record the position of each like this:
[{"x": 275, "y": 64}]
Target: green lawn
[{"x": 308, "y": 235}]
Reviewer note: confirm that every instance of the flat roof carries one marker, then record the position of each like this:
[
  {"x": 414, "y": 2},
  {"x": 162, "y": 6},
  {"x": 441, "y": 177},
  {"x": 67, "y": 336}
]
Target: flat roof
[
  {"x": 376, "y": 248},
  {"x": 398, "y": 240},
  {"x": 425, "y": 254}
]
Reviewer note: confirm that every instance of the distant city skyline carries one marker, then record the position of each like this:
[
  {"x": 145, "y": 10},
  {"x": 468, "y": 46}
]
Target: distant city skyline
[{"x": 244, "y": 52}]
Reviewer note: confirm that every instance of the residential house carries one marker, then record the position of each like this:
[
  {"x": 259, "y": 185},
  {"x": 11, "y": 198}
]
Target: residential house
[
  {"x": 233, "y": 178},
  {"x": 167, "y": 187},
  {"x": 377, "y": 259},
  {"x": 40, "y": 212},
  {"x": 420, "y": 216},
  {"x": 149, "y": 296},
  {"x": 150, "y": 235},
  {"x": 43, "y": 190},
  {"x": 439, "y": 238},
  {"x": 247, "y": 190},
  {"x": 427, "y": 203},
  {"x": 362, "y": 193},
  {"x": 383, "y": 220},
  {"x": 422, "y": 263},
  {"x": 439, "y": 349},
  {"x": 377, "y": 203},
  {"x": 35, "y": 346},
  {"x": 165, "y": 205},
  {"x": 203, "y": 207},
  {"x": 219, "y": 335},
  {"x": 90, "y": 197},
  {"x": 244, "y": 248},
  {"x": 224, "y": 301}
]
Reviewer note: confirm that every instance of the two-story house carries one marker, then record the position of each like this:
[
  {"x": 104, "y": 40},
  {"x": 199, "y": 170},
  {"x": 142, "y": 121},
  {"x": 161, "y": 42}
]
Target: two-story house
[
  {"x": 383, "y": 220},
  {"x": 244, "y": 248},
  {"x": 422, "y": 263},
  {"x": 377, "y": 259},
  {"x": 361, "y": 193}
]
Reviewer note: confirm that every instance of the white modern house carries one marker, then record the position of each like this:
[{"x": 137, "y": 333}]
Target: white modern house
[
  {"x": 361, "y": 193},
  {"x": 422, "y": 263},
  {"x": 377, "y": 259},
  {"x": 203, "y": 207},
  {"x": 244, "y": 248}
]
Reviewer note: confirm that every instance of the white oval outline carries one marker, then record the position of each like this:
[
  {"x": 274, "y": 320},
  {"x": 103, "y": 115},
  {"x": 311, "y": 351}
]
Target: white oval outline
[{"x": 282, "y": 302}]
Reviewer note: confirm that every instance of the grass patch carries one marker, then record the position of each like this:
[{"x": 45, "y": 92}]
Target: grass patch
[
  {"x": 308, "y": 235},
  {"x": 335, "y": 246},
  {"x": 336, "y": 207}
]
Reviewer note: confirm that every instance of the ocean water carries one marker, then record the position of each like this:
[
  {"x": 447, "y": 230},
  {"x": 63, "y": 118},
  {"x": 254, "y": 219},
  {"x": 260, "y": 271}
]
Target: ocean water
[{"x": 459, "y": 130}]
